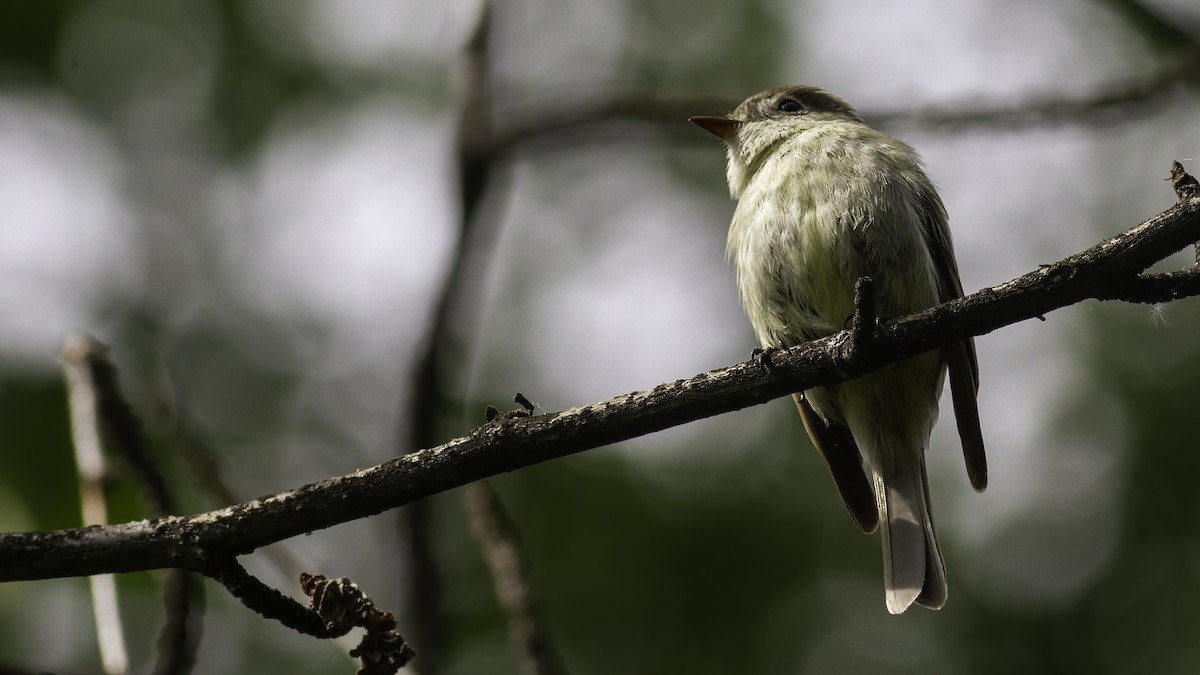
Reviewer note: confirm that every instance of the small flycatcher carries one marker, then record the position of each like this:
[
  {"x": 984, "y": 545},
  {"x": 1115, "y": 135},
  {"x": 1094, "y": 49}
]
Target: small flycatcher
[{"x": 824, "y": 199}]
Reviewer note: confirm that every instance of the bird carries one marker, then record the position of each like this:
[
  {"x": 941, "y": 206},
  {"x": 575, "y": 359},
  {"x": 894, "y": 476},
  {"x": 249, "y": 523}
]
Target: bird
[{"x": 823, "y": 200}]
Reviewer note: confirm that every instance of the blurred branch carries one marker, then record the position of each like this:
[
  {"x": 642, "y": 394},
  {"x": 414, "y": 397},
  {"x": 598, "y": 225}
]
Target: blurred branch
[
  {"x": 177, "y": 643},
  {"x": 79, "y": 356},
  {"x": 497, "y": 535},
  {"x": 119, "y": 422},
  {"x": 1157, "y": 31},
  {"x": 9, "y": 670},
  {"x": 1115, "y": 102},
  {"x": 511, "y": 577},
  {"x": 1118, "y": 101},
  {"x": 476, "y": 153},
  {"x": 186, "y": 438},
  {"x": 97, "y": 404},
  {"x": 474, "y": 162},
  {"x": 554, "y": 125},
  {"x": 510, "y": 443}
]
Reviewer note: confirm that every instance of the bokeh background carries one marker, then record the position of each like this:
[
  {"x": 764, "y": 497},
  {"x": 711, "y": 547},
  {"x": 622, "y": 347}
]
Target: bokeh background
[{"x": 257, "y": 206}]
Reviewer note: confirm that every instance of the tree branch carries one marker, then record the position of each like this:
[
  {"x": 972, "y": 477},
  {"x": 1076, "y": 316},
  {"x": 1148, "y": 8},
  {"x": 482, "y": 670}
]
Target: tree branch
[
  {"x": 85, "y": 398},
  {"x": 1158, "y": 32},
  {"x": 267, "y": 601},
  {"x": 1106, "y": 270},
  {"x": 546, "y": 126},
  {"x": 99, "y": 409},
  {"x": 422, "y": 576}
]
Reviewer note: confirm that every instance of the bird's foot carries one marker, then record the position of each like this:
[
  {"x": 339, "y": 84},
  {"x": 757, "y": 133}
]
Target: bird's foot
[{"x": 762, "y": 358}]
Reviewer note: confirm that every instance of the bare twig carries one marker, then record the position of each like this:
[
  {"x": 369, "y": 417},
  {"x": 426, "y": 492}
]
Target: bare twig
[
  {"x": 78, "y": 356},
  {"x": 193, "y": 542},
  {"x": 265, "y": 600},
  {"x": 511, "y": 577},
  {"x": 337, "y": 606}
]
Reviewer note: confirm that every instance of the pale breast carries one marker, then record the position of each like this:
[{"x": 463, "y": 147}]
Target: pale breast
[{"x": 823, "y": 209}]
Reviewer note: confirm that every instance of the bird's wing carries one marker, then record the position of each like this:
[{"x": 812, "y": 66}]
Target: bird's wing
[
  {"x": 840, "y": 452},
  {"x": 963, "y": 364}
]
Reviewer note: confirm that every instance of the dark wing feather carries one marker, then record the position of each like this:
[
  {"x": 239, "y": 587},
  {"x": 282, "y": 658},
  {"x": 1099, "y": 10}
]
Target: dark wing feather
[
  {"x": 836, "y": 445},
  {"x": 963, "y": 364},
  {"x": 963, "y": 388}
]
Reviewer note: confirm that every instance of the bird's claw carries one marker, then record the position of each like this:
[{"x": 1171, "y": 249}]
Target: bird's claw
[{"x": 762, "y": 358}]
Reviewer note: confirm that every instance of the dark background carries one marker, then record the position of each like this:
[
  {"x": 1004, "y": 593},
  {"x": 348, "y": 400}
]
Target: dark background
[{"x": 255, "y": 205}]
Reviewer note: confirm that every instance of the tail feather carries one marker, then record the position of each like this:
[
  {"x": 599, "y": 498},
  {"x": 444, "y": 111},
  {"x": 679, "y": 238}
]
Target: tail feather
[
  {"x": 933, "y": 594},
  {"x": 913, "y": 570}
]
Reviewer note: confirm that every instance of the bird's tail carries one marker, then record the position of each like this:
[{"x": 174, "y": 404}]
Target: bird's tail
[{"x": 913, "y": 570}]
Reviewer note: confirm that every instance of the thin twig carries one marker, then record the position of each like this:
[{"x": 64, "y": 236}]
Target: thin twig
[
  {"x": 84, "y": 401},
  {"x": 503, "y": 445},
  {"x": 511, "y": 577},
  {"x": 265, "y": 600},
  {"x": 337, "y": 606},
  {"x": 116, "y": 419},
  {"x": 176, "y": 646}
]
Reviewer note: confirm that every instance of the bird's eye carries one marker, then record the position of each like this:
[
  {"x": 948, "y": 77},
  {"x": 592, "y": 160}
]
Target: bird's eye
[{"x": 789, "y": 105}]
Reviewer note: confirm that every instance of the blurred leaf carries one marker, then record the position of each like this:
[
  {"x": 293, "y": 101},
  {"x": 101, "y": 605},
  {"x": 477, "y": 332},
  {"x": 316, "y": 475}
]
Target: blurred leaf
[
  {"x": 29, "y": 34},
  {"x": 35, "y": 451}
]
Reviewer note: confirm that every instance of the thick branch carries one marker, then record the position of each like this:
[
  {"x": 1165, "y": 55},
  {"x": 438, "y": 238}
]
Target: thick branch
[{"x": 508, "y": 444}]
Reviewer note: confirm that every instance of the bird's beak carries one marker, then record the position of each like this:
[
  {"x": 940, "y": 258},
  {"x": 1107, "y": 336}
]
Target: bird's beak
[{"x": 723, "y": 128}]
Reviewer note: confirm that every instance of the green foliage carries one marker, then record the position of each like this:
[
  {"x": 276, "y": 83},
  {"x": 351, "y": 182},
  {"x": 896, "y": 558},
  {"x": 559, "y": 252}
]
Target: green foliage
[{"x": 38, "y": 480}]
